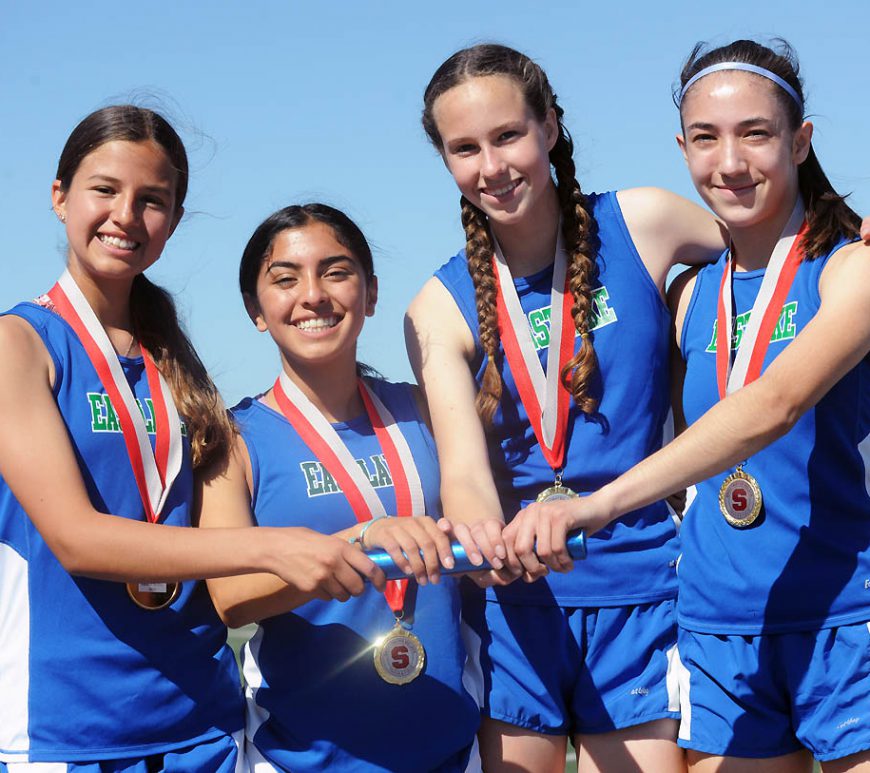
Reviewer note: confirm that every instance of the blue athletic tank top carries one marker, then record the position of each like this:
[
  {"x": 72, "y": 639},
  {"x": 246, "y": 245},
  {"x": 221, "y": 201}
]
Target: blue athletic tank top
[
  {"x": 315, "y": 699},
  {"x": 84, "y": 673},
  {"x": 632, "y": 560},
  {"x": 805, "y": 564}
]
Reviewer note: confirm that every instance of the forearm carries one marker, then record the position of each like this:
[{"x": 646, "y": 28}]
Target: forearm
[
  {"x": 467, "y": 501},
  {"x": 113, "y": 548},
  {"x": 728, "y": 433},
  {"x": 254, "y": 597}
]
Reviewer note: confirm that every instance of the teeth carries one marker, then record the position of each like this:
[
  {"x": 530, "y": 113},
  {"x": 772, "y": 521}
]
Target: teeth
[
  {"x": 502, "y": 191},
  {"x": 319, "y": 323},
  {"x": 115, "y": 241}
]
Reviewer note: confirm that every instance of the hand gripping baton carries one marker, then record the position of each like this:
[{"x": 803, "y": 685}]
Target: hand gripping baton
[{"x": 575, "y": 542}]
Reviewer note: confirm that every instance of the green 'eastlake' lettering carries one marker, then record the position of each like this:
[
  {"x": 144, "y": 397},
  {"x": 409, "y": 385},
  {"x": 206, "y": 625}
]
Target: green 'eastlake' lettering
[
  {"x": 539, "y": 319},
  {"x": 785, "y": 327},
  {"x": 104, "y": 418},
  {"x": 318, "y": 481}
]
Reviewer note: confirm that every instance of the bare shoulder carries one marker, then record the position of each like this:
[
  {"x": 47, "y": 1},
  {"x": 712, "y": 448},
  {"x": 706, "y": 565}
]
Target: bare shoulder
[
  {"x": 432, "y": 300},
  {"x": 433, "y": 319},
  {"x": 680, "y": 290},
  {"x": 24, "y": 352},
  {"x": 847, "y": 271},
  {"x": 668, "y": 229}
]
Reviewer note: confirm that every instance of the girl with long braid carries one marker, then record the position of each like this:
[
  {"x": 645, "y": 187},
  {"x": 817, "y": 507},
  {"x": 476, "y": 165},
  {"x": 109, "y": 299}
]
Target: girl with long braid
[
  {"x": 546, "y": 342},
  {"x": 775, "y": 338}
]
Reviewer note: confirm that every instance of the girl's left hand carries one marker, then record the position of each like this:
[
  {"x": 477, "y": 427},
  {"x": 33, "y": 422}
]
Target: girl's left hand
[
  {"x": 865, "y": 229},
  {"x": 405, "y": 539}
]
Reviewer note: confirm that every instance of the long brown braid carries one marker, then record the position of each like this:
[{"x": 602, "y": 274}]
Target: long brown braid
[
  {"x": 478, "y": 255},
  {"x": 579, "y": 231},
  {"x": 578, "y": 225}
]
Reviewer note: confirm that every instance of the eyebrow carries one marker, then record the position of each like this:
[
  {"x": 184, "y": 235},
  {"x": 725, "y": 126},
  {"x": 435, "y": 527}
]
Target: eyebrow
[
  {"x": 322, "y": 263},
  {"x": 702, "y": 126},
  {"x": 507, "y": 125},
  {"x": 167, "y": 189}
]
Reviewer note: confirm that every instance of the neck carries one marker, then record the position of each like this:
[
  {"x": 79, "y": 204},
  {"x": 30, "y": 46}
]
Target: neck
[
  {"x": 333, "y": 390},
  {"x": 753, "y": 246},
  {"x": 110, "y": 302},
  {"x": 529, "y": 245}
]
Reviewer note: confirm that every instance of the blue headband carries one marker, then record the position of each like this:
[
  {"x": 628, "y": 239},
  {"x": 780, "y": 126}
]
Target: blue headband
[{"x": 747, "y": 68}]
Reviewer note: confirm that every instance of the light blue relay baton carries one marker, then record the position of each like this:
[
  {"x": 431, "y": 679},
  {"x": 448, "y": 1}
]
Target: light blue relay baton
[{"x": 575, "y": 542}]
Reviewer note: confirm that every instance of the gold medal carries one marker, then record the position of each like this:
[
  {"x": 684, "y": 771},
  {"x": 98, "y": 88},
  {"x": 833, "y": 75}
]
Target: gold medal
[
  {"x": 556, "y": 492},
  {"x": 740, "y": 499},
  {"x": 153, "y": 595},
  {"x": 399, "y": 656}
]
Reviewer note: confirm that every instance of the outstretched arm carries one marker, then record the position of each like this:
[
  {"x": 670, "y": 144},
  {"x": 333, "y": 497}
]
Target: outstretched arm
[
  {"x": 440, "y": 348},
  {"x": 321, "y": 566},
  {"x": 38, "y": 463},
  {"x": 834, "y": 342}
]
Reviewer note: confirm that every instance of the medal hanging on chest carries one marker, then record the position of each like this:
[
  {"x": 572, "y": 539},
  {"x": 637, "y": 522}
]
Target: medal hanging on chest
[
  {"x": 543, "y": 395},
  {"x": 154, "y": 470},
  {"x": 399, "y": 656},
  {"x": 740, "y": 497}
]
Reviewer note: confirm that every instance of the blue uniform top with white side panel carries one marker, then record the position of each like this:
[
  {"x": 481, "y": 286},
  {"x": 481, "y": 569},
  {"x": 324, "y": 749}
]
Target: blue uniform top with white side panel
[
  {"x": 85, "y": 674},
  {"x": 632, "y": 560},
  {"x": 805, "y": 563},
  {"x": 315, "y": 700}
]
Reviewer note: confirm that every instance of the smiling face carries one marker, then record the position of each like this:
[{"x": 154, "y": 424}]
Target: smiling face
[
  {"x": 741, "y": 152},
  {"x": 312, "y": 297},
  {"x": 119, "y": 209},
  {"x": 496, "y": 149}
]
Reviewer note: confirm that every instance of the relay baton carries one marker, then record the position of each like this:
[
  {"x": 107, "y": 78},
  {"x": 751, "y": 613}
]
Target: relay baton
[{"x": 575, "y": 542}]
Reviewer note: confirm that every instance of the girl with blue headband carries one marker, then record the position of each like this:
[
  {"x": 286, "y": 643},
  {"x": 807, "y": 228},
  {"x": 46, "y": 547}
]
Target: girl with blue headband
[{"x": 773, "y": 610}]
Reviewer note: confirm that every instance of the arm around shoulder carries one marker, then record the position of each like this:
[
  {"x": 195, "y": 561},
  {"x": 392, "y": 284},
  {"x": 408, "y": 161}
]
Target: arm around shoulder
[{"x": 667, "y": 229}]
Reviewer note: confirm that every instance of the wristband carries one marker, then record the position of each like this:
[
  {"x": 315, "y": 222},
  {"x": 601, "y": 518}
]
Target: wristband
[{"x": 360, "y": 538}]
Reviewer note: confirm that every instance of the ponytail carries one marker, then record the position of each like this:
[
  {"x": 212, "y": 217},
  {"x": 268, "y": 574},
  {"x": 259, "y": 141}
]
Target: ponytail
[{"x": 157, "y": 328}]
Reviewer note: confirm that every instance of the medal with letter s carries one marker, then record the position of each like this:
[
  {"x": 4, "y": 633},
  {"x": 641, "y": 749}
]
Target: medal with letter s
[
  {"x": 399, "y": 656},
  {"x": 740, "y": 499}
]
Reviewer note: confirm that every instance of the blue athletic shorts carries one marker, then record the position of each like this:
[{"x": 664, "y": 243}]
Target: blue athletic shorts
[
  {"x": 570, "y": 670},
  {"x": 768, "y": 695},
  {"x": 217, "y": 755}
]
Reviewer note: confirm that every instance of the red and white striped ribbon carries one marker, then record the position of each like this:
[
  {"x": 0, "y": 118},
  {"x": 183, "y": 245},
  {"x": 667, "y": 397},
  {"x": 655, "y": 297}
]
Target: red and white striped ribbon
[
  {"x": 154, "y": 470},
  {"x": 778, "y": 278}
]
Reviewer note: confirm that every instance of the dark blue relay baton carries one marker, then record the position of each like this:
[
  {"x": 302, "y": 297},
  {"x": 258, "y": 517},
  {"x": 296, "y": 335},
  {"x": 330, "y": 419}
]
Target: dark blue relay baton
[{"x": 575, "y": 542}]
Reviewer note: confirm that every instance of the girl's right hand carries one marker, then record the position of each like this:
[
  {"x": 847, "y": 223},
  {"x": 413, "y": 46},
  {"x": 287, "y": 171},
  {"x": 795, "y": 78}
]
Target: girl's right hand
[
  {"x": 324, "y": 566},
  {"x": 483, "y": 540}
]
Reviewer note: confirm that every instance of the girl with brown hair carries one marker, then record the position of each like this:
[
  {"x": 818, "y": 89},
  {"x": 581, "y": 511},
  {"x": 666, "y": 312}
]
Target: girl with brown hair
[
  {"x": 543, "y": 352},
  {"x": 106, "y": 411},
  {"x": 775, "y": 343}
]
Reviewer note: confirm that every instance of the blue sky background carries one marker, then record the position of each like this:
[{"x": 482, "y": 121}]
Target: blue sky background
[{"x": 284, "y": 102}]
